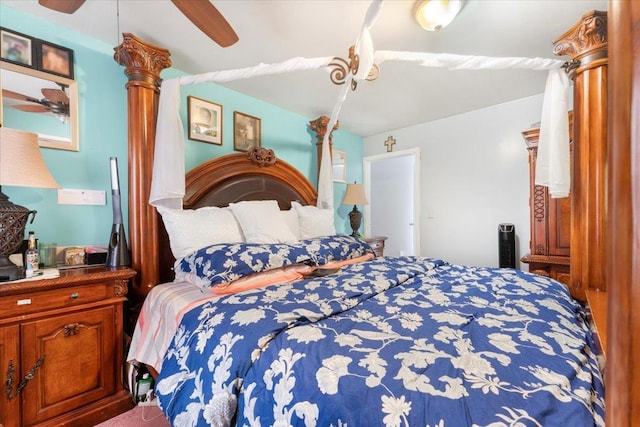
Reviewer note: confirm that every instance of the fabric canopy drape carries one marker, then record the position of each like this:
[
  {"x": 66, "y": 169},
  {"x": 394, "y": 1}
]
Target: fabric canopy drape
[{"x": 168, "y": 180}]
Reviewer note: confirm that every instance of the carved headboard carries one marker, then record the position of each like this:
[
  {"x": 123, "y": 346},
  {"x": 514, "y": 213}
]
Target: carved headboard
[{"x": 254, "y": 175}]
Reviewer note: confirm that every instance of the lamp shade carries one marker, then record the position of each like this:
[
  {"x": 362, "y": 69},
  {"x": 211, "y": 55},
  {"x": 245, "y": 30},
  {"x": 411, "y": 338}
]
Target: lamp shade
[
  {"x": 354, "y": 195},
  {"x": 21, "y": 162},
  {"x": 434, "y": 15}
]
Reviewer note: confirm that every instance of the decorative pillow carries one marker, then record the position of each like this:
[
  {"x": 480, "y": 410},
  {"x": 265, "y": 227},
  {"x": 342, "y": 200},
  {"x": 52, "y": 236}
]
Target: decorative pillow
[
  {"x": 262, "y": 222},
  {"x": 314, "y": 222},
  {"x": 218, "y": 264},
  {"x": 336, "y": 248},
  {"x": 192, "y": 229},
  {"x": 291, "y": 219}
]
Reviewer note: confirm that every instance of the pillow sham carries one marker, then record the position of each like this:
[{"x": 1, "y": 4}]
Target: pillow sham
[
  {"x": 314, "y": 222},
  {"x": 192, "y": 229},
  {"x": 223, "y": 263},
  {"x": 290, "y": 218},
  {"x": 262, "y": 222},
  {"x": 323, "y": 250}
]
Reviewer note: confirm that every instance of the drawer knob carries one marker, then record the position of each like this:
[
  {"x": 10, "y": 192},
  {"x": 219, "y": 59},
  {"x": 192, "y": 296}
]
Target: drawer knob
[{"x": 75, "y": 295}]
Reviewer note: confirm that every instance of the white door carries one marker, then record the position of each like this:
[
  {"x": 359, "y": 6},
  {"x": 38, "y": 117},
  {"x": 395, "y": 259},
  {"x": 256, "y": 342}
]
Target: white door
[{"x": 392, "y": 182}]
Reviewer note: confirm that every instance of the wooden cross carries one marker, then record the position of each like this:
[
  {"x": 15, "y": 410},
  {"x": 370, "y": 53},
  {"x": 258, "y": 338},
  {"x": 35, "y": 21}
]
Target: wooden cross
[{"x": 389, "y": 143}]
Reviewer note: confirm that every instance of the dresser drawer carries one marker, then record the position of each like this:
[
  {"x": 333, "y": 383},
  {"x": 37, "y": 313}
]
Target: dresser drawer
[{"x": 17, "y": 305}]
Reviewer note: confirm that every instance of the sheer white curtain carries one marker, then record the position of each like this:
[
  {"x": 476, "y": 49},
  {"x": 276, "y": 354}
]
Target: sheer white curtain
[{"x": 167, "y": 188}]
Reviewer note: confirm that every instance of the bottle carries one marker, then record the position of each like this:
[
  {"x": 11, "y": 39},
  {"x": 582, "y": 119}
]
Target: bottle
[
  {"x": 31, "y": 256},
  {"x": 143, "y": 387}
]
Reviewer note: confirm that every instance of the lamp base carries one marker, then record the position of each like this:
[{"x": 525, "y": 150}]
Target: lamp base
[
  {"x": 9, "y": 271},
  {"x": 355, "y": 218}
]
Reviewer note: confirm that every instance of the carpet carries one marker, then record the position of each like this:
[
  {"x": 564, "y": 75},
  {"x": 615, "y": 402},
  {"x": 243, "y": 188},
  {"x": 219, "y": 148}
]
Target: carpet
[{"x": 149, "y": 416}]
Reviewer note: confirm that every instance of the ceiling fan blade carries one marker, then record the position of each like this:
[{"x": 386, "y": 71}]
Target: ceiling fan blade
[
  {"x": 205, "y": 16},
  {"x": 31, "y": 108},
  {"x": 15, "y": 95},
  {"x": 55, "y": 95},
  {"x": 64, "y": 6}
]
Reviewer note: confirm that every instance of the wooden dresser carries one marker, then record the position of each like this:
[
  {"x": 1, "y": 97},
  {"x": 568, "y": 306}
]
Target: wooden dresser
[
  {"x": 61, "y": 348},
  {"x": 376, "y": 243},
  {"x": 550, "y": 221}
]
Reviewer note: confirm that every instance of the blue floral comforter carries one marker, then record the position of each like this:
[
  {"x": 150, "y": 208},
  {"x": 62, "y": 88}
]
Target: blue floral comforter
[{"x": 390, "y": 342}]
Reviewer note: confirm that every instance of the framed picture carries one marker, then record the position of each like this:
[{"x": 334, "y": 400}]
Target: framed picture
[
  {"x": 54, "y": 59},
  {"x": 246, "y": 131},
  {"x": 17, "y": 48},
  {"x": 205, "y": 120},
  {"x": 339, "y": 165}
]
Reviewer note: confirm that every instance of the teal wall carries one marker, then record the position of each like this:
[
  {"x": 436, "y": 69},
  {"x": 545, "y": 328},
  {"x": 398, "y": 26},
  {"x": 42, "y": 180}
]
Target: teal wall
[{"x": 103, "y": 134}]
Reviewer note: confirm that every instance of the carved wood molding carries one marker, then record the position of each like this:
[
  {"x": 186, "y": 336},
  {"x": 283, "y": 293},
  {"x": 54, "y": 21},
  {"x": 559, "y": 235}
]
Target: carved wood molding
[
  {"x": 262, "y": 156},
  {"x": 143, "y": 60},
  {"x": 121, "y": 287},
  {"x": 539, "y": 202},
  {"x": 320, "y": 125},
  {"x": 585, "y": 42}
]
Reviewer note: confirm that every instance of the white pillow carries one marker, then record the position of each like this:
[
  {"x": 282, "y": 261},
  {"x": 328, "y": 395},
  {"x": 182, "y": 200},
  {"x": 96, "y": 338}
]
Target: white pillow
[
  {"x": 314, "y": 222},
  {"x": 291, "y": 219},
  {"x": 192, "y": 229},
  {"x": 262, "y": 222}
]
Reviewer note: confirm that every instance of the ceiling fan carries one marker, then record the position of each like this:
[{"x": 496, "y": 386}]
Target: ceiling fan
[
  {"x": 55, "y": 101},
  {"x": 202, "y": 13}
]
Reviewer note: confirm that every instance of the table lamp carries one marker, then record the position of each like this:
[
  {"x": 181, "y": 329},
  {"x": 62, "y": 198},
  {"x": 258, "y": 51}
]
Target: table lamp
[
  {"x": 355, "y": 196},
  {"x": 21, "y": 165}
]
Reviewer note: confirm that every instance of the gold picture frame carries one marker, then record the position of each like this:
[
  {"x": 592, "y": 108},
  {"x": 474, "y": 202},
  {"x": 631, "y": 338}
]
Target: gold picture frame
[
  {"x": 247, "y": 131},
  {"x": 205, "y": 120}
]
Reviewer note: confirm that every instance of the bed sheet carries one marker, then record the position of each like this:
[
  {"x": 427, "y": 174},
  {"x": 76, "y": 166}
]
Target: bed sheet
[
  {"x": 159, "y": 318},
  {"x": 416, "y": 342}
]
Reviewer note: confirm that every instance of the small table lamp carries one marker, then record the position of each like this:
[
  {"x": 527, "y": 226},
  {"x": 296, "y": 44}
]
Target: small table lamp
[
  {"x": 355, "y": 196},
  {"x": 22, "y": 165}
]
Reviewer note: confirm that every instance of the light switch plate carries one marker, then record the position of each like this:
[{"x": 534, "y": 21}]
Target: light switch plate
[{"x": 68, "y": 196}]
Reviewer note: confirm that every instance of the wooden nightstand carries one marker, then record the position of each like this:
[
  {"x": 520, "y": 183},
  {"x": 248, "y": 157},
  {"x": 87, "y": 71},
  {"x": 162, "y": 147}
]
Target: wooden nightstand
[
  {"x": 376, "y": 243},
  {"x": 67, "y": 332}
]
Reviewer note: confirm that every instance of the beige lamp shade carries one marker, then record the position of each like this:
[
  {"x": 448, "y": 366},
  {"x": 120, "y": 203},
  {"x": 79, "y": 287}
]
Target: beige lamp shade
[
  {"x": 354, "y": 195},
  {"x": 21, "y": 162}
]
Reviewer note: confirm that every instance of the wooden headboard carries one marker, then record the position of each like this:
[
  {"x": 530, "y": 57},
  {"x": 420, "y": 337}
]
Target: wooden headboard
[
  {"x": 254, "y": 175},
  {"x": 617, "y": 217}
]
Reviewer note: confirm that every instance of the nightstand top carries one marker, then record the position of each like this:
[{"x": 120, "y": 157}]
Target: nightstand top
[{"x": 68, "y": 277}]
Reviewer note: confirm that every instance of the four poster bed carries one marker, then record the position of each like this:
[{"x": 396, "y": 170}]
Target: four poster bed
[{"x": 414, "y": 341}]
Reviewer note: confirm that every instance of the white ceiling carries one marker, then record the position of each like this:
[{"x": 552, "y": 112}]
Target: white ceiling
[{"x": 272, "y": 31}]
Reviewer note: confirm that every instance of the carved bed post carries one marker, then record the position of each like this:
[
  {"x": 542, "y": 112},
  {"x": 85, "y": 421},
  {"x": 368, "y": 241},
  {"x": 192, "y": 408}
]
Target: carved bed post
[
  {"x": 586, "y": 43},
  {"x": 143, "y": 63},
  {"x": 319, "y": 126}
]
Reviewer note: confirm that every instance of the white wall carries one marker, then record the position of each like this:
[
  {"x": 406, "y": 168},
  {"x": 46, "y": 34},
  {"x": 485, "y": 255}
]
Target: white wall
[{"x": 475, "y": 175}]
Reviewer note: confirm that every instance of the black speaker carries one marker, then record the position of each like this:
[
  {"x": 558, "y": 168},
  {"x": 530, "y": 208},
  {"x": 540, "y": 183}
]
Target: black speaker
[{"x": 507, "y": 245}]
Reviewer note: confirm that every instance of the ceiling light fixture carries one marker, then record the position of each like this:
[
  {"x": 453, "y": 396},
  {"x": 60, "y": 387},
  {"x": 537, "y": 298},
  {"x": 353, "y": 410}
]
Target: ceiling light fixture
[{"x": 434, "y": 15}]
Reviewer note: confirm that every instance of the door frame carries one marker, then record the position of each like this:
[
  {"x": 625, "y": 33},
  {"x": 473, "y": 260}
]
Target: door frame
[{"x": 366, "y": 166}]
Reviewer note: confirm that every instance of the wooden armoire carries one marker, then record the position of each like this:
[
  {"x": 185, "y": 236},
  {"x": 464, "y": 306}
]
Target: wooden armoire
[{"x": 550, "y": 220}]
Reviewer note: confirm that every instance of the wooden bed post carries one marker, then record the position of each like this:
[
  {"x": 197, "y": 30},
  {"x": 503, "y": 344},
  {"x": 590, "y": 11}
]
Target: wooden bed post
[
  {"x": 622, "y": 379},
  {"x": 319, "y": 126},
  {"x": 586, "y": 43},
  {"x": 143, "y": 63}
]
